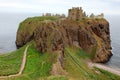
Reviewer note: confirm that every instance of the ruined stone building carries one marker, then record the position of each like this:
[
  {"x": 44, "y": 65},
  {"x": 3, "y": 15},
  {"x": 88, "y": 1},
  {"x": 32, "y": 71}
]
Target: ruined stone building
[
  {"x": 100, "y": 16},
  {"x": 97, "y": 16},
  {"x": 76, "y": 13},
  {"x": 54, "y": 15}
]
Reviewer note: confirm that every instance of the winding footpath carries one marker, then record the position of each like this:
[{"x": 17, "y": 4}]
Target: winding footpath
[
  {"x": 22, "y": 65},
  {"x": 104, "y": 67}
]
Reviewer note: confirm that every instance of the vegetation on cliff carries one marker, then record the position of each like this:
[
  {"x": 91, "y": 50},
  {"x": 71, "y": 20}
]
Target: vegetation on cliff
[{"x": 27, "y": 27}]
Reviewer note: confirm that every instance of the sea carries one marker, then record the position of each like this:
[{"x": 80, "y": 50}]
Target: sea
[
  {"x": 9, "y": 23},
  {"x": 114, "y": 21}
]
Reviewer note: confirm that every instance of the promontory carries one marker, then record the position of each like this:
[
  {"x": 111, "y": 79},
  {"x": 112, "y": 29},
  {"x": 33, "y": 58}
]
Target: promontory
[{"x": 52, "y": 33}]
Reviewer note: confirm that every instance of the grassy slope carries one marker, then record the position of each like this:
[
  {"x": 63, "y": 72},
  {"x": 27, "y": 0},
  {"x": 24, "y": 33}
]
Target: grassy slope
[
  {"x": 10, "y": 62},
  {"x": 78, "y": 69},
  {"x": 39, "y": 65}
]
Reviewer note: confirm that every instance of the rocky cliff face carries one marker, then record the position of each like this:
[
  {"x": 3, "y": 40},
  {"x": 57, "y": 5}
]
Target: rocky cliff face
[{"x": 91, "y": 35}]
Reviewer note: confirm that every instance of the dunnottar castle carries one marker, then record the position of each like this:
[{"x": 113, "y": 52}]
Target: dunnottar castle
[{"x": 76, "y": 13}]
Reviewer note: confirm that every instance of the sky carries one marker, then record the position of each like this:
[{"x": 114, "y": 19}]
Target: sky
[{"x": 60, "y": 6}]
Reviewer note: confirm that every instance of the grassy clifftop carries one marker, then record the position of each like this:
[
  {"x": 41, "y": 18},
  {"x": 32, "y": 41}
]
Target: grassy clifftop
[
  {"x": 27, "y": 27},
  {"x": 36, "y": 20}
]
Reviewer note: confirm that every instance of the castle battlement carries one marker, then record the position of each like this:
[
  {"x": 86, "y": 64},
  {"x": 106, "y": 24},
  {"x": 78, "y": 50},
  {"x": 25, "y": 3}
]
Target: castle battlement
[{"x": 75, "y": 7}]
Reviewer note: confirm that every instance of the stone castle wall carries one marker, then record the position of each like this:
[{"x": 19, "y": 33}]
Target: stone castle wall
[{"x": 75, "y": 13}]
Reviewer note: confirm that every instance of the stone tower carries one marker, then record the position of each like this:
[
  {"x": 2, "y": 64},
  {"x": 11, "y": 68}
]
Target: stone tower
[{"x": 76, "y": 13}]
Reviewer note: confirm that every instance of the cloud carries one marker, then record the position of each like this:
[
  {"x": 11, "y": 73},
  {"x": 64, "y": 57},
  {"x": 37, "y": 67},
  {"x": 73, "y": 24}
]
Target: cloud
[
  {"x": 114, "y": 0},
  {"x": 61, "y": 6}
]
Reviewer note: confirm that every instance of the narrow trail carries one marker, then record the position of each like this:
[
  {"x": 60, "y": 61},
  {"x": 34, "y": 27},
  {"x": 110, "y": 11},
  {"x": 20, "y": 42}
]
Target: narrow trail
[
  {"x": 22, "y": 65},
  {"x": 104, "y": 67}
]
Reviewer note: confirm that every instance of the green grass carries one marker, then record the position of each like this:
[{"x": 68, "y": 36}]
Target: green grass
[
  {"x": 83, "y": 54},
  {"x": 78, "y": 69},
  {"x": 110, "y": 76},
  {"x": 36, "y": 20},
  {"x": 10, "y": 62},
  {"x": 93, "y": 52},
  {"x": 41, "y": 18},
  {"x": 38, "y": 66},
  {"x": 58, "y": 78}
]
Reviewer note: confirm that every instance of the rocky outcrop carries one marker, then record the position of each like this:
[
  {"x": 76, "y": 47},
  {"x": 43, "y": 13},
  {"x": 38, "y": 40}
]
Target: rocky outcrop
[
  {"x": 53, "y": 35},
  {"x": 57, "y": 68},
  {"x": 25, "y": 32},
  {"x": 103, "y": 40},
  {"x": 47, "y": 37},
  {"x": 27, "y": 27}
]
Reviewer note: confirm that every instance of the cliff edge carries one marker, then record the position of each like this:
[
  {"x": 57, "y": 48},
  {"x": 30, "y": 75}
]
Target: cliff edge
[{"x": 55, "y": 33}]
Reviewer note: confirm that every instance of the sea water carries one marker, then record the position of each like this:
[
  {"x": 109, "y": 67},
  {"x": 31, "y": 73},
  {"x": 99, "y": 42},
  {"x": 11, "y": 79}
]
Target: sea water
[
  {"x": 114, "y": 21},
  {"x": 9, "y": 23}
]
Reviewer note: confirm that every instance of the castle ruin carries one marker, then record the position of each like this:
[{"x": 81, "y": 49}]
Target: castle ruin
[
  {"x": 97, "y": 16},
  {"x": 76, "y": 13},
  {"x": 55, "y": 15}
]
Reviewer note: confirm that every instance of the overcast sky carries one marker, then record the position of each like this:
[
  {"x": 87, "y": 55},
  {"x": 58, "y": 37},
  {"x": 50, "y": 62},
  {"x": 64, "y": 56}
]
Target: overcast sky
[{"x": 60, "y": 6}]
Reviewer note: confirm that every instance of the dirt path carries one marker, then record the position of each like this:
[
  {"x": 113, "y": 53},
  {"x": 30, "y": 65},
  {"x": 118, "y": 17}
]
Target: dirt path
[
  {"x": 104, "y": 67},
  {"x": 22, "y": 65}
]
